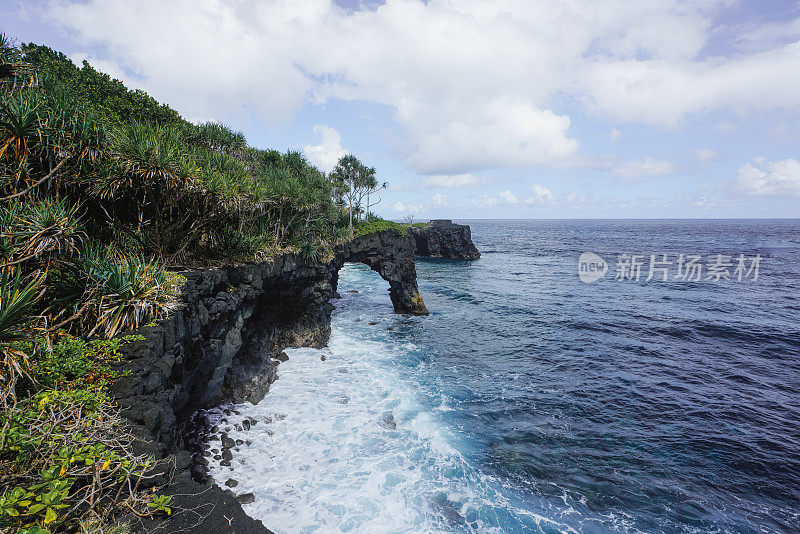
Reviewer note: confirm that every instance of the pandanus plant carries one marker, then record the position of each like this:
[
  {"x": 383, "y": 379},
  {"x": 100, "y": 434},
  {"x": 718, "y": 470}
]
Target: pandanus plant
[
  {"x": 20, "y": 128},
  {"x": 132, "y": 292},
  {"x": 49, "y": 227},
  {"x": 18, "y": 299}
]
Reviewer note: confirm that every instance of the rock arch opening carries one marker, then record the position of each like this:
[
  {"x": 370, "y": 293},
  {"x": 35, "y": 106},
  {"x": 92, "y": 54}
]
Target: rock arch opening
[{"x": 392, "y": 257}]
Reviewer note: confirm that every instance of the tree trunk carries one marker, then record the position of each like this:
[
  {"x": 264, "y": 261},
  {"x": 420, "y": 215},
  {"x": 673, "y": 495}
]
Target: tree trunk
[{"x": 350, "y": 200}]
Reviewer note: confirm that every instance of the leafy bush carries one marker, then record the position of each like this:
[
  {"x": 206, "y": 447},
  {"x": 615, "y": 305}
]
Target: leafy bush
[{"x": 68, "y": 447}]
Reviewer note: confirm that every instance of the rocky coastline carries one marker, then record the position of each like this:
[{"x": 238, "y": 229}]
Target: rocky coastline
[
  {"x": 441, "y": 238},
  {"x": 223, "y": 345}
]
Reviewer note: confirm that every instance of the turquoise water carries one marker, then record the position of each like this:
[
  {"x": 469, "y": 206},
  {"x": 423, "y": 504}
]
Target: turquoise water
[{"x": 531, "y": 402}]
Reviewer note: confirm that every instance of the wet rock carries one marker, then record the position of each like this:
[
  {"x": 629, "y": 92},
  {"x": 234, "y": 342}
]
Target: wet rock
[
  {"x": 227, "y": 442},
  {"x": 372, "y": 324},
  {"x": 387, "y": 421},
  {"x": 246, "y": 498},
  {"x": 227, "y": 454},
  {"x": 231, "y": 483},
  {"x": 246, "y": 424},
  {"x": 282, "y": 356},
  {"x": 225, "y": 463},
  {"x": 239, "y": 441}
]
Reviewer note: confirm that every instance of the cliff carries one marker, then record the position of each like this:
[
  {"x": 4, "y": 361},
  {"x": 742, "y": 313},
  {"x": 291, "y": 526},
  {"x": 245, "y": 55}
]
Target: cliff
[
  {"x": 222, "y": 345},
  {"x": 444, "y": 239}
]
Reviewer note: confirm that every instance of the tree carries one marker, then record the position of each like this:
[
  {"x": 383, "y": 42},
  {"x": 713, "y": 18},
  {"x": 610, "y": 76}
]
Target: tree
[{"x": 352, "y": 182}]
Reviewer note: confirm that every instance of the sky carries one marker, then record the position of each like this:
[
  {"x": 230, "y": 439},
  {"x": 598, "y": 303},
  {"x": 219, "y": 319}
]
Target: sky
[{"x": 475, "y": 108}]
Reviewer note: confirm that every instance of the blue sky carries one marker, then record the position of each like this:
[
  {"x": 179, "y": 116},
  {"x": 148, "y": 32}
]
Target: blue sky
[{"x": 478, "y": 109}]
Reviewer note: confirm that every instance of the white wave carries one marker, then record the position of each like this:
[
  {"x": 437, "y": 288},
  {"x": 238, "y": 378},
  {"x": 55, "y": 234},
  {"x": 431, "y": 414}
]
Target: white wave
[
  {"x": 349, "y": 444},
  {"x": 341, "y": 445}
]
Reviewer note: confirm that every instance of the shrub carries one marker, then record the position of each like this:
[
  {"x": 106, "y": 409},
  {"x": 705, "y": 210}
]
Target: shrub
[
  {"x": 376, "y": 224},
  {"x": 69, "y": 449}
]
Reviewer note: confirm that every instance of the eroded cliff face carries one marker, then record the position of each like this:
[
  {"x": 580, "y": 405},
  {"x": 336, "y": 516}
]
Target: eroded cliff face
[
  {"x": 224, "y": 343},
  {"x": 445, "y": 239}
]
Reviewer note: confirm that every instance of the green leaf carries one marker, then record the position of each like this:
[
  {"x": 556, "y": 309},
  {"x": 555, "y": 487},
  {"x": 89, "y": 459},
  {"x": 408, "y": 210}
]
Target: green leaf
[{"x": 50, "y": 516}]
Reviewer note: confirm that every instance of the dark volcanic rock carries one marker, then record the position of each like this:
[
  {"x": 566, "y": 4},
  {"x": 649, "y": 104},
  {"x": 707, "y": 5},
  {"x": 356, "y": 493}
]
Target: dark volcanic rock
[
  {"x": 444, "y": 239},
  {"x": 391, "y": 255},
  {"x": 201, "y": 509},
  {"x": 246, "y": 498},
  {"x": 227, "y": 442}
]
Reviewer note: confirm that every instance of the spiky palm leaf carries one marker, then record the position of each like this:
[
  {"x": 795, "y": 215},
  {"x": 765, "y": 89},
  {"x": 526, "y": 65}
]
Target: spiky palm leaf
[
  {"x": 17, "y": 302},
  {"x": 128, "y": 292},
  {"x": 20, "y": 129},
  {"x": 49, "y": 226}
]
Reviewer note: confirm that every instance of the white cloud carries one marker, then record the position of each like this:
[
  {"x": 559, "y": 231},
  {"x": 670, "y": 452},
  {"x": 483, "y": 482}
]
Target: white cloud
[
  {"x": 663, "y": 92},
  {"x": 614, "y": 135},
  {"x": 440, "y": 199},
  {"x": 455, "y": 180},
  {"x": 508, "y": 197},
  {"x": 326, "y": 154},
  {"x": 642, "y": 168},
  {"x": 408, "y": 209},
  {"x": 705, "y": 155},
  {"x": 778, "y": 178},
  {"x": 502, "y": 134},
  {"x": 541, "y": 195},
  {"x": 472, "y": 82}
]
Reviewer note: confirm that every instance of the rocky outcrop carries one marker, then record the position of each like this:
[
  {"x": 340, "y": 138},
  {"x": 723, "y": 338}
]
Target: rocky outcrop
[
  {"x": 443, "y": 239},
  {"x": 391, "y": 255},
  {"x": 223, "y": 345}
]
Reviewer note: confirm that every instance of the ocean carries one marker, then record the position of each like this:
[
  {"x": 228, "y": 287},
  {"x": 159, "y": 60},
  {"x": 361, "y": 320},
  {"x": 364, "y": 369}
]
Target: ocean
[{"x": 530, "y": 401}]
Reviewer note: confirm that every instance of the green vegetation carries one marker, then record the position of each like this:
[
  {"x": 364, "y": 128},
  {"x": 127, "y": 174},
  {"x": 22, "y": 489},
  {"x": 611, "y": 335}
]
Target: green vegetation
[
  {"x": 376, "y": 224},
  {"x": 100, "y": 189}
]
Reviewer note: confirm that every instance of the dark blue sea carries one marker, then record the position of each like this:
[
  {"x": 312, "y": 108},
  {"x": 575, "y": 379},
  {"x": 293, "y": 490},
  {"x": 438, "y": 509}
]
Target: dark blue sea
[{"x": 529, "y": 401}]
